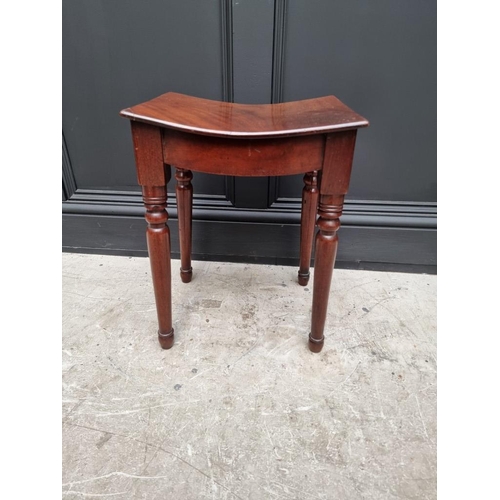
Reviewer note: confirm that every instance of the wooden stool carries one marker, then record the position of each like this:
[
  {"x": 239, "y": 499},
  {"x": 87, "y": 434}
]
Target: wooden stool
[{"x": 315, "y": 137}]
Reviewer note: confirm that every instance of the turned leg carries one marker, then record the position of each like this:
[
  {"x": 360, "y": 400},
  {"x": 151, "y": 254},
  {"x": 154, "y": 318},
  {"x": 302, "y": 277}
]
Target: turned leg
[
  {"x": 307, "y": 223},
  {"x": 329, "y": 211},
  {"x": 184, "y": 191},
  {"x": 158, "y": 238}
]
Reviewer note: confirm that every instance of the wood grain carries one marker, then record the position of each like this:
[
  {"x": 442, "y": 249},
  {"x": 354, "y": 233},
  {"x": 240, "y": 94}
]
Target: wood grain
[
  {"x": 148, "y": 155},
  {"x": 243, "y": 157},
  {"x": 337, "y": 162},
  {"x": 223, "y": 119}
]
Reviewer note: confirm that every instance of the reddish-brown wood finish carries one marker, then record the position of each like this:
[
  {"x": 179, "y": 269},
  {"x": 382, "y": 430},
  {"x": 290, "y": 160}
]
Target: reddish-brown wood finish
[
  {"x": 224, "y": 119},
  {"x": 158, "y": 238},
  {"x": 324, "y": 260},
  {"x": 184, "y": 192},
  {"x": 148, "y": 154},
  {"x": 243, "y": 157},
  {"x": 307, "y": 224},
  {"x": 153, "y": 175},
  {"x": 315, "y": 137},
  {"x": 339, "y": 150}
]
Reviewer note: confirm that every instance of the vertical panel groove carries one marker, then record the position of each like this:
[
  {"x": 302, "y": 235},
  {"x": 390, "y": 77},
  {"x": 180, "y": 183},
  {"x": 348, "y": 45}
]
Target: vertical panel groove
[
  {"x": 278, "y": 50},
  {"x": 227, "y": 71},
  {"x": 227, "y": 50},
  {"x": 277, "y": 76}
]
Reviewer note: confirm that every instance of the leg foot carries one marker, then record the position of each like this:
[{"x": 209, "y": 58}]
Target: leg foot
[
  {"x": 166, "y": 339},
  {"x": 186, "y": 275},
  {"x": 303, "y": 278},
  {"x": 316, "y": 345}
]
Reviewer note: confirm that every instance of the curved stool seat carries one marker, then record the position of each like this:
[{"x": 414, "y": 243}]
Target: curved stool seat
[
  {"x": 224, "y": 119},
  {"x": 315, "y": 137}
]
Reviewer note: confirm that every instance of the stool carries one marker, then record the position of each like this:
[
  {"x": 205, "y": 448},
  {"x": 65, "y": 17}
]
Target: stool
[{"x": 315, "y": 137}]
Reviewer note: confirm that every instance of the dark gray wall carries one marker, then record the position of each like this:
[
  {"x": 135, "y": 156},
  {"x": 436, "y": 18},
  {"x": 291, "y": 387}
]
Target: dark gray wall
[
  {"x": 378, "y": 57},
  {"x": 125, "y": 51}
]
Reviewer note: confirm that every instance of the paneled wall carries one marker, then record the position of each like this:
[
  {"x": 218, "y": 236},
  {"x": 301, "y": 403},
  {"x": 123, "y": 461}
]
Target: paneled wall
[{"x": 378, "y": 57}]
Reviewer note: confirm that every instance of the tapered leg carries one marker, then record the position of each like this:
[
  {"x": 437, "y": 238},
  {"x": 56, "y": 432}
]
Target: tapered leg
[
  {"x": 184, "y": 191},
  {"x": 158, "y": 238},
  {"x": 330, "y": 209},
  {"x": 308, "y": 223}
]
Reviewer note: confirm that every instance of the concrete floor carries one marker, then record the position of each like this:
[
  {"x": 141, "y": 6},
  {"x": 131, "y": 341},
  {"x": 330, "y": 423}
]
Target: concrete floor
[{"x": 239, "y": 408}]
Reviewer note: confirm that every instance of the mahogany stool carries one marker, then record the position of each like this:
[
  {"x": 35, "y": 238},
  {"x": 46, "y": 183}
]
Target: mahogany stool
[{"x": 315, "y": 137}]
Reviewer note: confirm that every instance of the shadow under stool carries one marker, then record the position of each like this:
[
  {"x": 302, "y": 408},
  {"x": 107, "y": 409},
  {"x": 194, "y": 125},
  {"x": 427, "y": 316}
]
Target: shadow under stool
[{"x": 315, "y": 137}]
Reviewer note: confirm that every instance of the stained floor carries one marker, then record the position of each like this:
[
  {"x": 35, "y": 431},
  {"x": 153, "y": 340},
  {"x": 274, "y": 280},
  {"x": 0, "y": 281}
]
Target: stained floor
[{"x": 239, "y": 408}]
